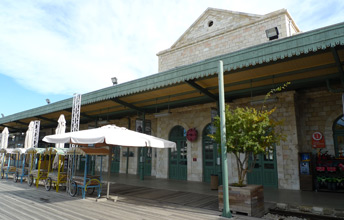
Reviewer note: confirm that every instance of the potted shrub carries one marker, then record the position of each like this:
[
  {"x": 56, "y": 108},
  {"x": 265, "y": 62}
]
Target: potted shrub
[{"x": 249, "y": 132}]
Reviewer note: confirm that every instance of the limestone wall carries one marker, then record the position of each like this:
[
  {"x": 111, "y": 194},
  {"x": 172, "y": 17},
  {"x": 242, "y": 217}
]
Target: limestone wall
[
  {"x": 236, "y": 38},
  {"x": 318, "y": 109},
  {"x": 287, "y": 151},
  {"x": 188, "y": 117}
]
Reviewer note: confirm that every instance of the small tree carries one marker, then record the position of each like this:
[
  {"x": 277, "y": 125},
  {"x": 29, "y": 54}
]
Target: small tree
[{"x": 249, "y": 132}]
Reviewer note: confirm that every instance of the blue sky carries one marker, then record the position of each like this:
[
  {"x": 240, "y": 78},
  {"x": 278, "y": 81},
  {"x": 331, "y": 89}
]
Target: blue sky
[{"x": 53, "y": 49}]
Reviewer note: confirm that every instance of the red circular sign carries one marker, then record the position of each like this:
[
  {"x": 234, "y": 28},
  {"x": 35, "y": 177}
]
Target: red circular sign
[
  {"x": 317, "y": 136},
  {"x": 191, "y": 134}
]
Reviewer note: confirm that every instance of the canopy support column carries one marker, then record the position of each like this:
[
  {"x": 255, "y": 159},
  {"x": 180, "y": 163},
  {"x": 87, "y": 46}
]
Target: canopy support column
[{"x": 226, "y": 211}]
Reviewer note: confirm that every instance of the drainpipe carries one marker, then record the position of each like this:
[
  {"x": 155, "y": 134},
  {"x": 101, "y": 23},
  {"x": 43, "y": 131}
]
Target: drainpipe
[{"x": 226, "y": 211}]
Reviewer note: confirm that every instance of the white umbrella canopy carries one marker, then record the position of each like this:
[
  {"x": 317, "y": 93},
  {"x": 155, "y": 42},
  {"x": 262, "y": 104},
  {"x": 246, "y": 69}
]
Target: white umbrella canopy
[
  {"x": 110, "y": 135},
  {"x": 61, "y": 129},
  {"x": 4, "y": 138},
  {"x": 29, "y": 135}
]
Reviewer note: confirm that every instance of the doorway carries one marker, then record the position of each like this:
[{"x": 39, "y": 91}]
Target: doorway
[
  {"x": 115, "y": 159},
  {"x": 178, "y": 157},
  {"x": 147, "y": 163},
  {"x": 264, "y": 171},
  {"x": 210, "y": 155}
]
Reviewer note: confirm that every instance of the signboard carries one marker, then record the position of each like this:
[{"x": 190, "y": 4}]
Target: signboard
[
  {"x": 139, "y": 126},
  {"x": 318, "y": 140}
]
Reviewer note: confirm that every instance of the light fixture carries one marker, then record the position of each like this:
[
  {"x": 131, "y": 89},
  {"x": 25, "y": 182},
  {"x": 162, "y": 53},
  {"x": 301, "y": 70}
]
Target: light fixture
[
  {"x": 48, "y": 101},
  {"x": 162, "y": 114},
  {"x": 103, "y": 122},
  {"x": 114, "y": 81},
  {"x": 261, "y": 101},
  {"x": 272, "y": 33}
]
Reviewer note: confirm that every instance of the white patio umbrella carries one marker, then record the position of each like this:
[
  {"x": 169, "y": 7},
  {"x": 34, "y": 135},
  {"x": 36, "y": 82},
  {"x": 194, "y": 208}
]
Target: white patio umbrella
[
  {"x": 61, "y": 129},
  {"x": 4, "y": 138},
  {"x": 29, "y": 135},
  {"x": 110, "y": 135},
  {"x": 4, "y": 142}
]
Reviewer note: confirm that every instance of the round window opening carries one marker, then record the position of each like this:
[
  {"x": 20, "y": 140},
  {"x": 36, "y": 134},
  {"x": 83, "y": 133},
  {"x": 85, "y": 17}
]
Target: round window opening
[{"x": 210, "y": 23}]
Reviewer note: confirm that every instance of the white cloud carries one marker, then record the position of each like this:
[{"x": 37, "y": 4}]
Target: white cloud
[{"x": 62, "y": 47}]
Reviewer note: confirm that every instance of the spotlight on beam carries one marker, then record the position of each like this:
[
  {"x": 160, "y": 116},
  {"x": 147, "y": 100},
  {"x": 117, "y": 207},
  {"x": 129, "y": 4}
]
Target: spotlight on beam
[
  {"x": 272, "y": 33},
  {"x": 114, "y": 81}
]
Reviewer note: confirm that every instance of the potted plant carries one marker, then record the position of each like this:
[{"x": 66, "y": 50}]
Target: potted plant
[{"x": 249, "y": 132}]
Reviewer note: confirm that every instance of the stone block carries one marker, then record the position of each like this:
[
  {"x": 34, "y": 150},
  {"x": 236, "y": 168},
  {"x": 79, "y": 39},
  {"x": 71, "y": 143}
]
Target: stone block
[
  {"x": 328, "y": 211},
  {"x": 318, "y": 210},
  {"x": 282, "y": 206},
  {"x": 304, "y": 208}
]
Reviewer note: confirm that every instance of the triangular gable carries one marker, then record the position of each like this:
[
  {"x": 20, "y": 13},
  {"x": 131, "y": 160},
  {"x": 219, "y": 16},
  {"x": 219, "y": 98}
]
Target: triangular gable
[{"x": 212, "y": 22}]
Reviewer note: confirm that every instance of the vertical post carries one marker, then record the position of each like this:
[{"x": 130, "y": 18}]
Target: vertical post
[
  {"x": 23, "y": 168},
  {"x": 84, "y": 189},
  {"x": 127, "y": 169},
  {"x": 75, "y": 123},
  {"x": 109, "y": 174},
  {"x": 8, "y": 165},
  {"x": 39, "y": 170},
  {"x": 143, "y": 151},
  {"x": 226, "y": 211},
  {"x": 58, "y": 173}
]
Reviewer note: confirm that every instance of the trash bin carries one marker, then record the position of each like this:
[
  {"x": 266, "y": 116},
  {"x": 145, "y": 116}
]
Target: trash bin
[{"x": 214, "y": 181}]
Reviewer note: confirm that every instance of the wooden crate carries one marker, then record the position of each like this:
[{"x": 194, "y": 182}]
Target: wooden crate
[{"x": 248, "y": 200}]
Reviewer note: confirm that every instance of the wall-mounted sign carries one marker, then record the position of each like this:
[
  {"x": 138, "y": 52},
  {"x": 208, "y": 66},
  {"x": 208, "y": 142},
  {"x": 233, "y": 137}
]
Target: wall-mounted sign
[
  {"x": 139, "y": 126},
  {"x": 191, "y": 134},
  {"x": 318, "y": 140}
]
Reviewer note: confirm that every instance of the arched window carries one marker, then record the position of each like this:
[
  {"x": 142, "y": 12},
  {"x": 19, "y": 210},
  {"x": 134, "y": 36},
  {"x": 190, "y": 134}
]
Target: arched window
[{"x": 338, "y": 136}]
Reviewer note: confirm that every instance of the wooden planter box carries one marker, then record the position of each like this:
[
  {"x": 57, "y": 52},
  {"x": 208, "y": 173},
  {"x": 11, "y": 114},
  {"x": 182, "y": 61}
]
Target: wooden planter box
[{"x": 248, "y": 200}]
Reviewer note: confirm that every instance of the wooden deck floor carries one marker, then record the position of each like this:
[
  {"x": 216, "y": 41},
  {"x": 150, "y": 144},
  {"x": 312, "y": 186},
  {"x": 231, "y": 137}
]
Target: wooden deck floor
[
  {"x": 208, "y": 202},
  {"x": 19, "y": 201}
]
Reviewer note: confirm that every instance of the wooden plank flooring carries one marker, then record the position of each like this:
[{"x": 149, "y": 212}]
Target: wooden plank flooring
[
  {"x": 19, "y": 201},
  {"x": 169, "y": 196}
]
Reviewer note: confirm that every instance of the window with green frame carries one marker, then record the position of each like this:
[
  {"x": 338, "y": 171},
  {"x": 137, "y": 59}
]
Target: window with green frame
[{"x": 338, "y": 136}]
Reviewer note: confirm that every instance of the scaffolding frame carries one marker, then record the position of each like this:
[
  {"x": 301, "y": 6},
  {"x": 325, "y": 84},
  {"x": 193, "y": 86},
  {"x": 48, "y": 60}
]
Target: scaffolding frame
[{"x": 75, "y": 123}]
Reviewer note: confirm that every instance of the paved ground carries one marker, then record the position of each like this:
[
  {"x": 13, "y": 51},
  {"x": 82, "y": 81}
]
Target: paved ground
[{"x": 19, "y": 201}]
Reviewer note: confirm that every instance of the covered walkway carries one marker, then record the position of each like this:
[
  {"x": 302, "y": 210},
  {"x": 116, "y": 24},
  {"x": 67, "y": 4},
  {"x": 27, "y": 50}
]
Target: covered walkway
[{"x": 199, "y": 194}]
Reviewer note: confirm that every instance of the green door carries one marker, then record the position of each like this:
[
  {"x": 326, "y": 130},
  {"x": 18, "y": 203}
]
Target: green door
[
  {"x": 178, "y": 157},
  {"x": 264, "y": 171},
  {"x": 115, "y": 160},
  {"x": 338, "y": 136},
  {"x": 210, "y": 166},
  {"x": 147, "y": 163}
]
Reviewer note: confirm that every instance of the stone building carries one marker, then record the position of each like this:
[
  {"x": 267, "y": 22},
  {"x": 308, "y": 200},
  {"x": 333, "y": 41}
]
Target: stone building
[{"x": 183, "y": 96}]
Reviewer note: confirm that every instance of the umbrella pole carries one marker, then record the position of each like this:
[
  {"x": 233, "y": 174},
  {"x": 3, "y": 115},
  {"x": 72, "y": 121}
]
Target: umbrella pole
[{"x": 109, "y": 172}]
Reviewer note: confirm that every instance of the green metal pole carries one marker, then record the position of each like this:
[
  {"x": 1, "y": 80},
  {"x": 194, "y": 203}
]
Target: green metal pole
[{"x": 226, "y": 211}]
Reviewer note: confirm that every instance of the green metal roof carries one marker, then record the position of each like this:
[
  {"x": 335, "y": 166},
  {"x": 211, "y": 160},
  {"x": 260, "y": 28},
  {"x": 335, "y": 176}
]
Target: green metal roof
[{"x": 312, "y": 41}]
